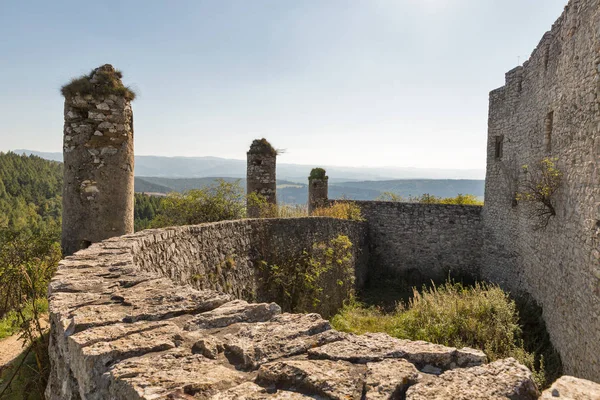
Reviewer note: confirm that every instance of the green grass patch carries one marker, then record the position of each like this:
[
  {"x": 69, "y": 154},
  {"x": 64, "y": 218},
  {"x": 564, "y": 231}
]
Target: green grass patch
[
  {"x": 481, "y": 316},
  {"x": 12, "y": 321}
]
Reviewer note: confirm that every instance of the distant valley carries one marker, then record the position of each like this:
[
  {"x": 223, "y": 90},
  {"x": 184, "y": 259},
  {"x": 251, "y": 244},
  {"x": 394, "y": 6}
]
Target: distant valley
[
  {"x": 177, "y": 174},
  {"x": 297, "y": 193},
  {"x": 199, "y": 167}
]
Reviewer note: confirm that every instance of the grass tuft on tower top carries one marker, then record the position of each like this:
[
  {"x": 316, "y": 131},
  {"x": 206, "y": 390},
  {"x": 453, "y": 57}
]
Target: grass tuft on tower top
[
  {"x": 262, "y": 146},
  {"x": 317, "y": 173},
  {"x": 101, "y": 81}
]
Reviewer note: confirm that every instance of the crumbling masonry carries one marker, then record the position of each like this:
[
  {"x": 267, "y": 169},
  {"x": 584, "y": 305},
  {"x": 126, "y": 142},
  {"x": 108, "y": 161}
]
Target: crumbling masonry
[
  {"x": 98, "y": 157},
  {"x": 168, "y": 313}
]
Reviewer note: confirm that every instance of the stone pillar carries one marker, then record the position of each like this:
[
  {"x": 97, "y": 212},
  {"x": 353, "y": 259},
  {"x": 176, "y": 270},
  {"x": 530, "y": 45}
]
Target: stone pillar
[
  {"x": 98, "y": 191},
  {"x": 317, "y": 189},
  {"x": 261, "y": 175}
]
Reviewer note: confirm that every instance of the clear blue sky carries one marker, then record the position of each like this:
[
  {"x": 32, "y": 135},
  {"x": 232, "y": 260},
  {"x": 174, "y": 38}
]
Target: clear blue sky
[{"x": 335, "y": 82}]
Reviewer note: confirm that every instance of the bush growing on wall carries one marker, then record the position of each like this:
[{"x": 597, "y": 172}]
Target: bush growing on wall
[
  {"x": 340, "y": 209},
  {"x": 319, "y": 280},
  {"x": 539, "y": 184}
]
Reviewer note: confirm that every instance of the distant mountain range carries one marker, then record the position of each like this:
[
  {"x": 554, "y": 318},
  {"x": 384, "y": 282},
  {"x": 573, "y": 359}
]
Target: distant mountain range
[
  {"x": 178, "y": 174},
  {"x": 297, "y": 193},
  {"x": 199, "y": 167}
]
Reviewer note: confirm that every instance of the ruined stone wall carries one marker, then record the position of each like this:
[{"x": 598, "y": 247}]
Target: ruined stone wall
[
  {"x": 98, "y": 175},
  {"x": 550, "y": 107},
  {"x": 226, "y": 256},
  {"x": 421, "y": 242},
  {"x": 122, "y": 332},
  {"x": 261, "y": 175}
]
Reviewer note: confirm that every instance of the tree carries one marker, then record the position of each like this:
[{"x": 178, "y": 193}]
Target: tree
[{"x": 217, "y": 202}]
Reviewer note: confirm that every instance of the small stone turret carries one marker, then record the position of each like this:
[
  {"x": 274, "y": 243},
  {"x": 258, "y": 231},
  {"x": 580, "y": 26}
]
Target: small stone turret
[
  {"x": 261, "y": 175},
  {"x": 318, "y": 182},
  {"x": 98, "y": 159}
]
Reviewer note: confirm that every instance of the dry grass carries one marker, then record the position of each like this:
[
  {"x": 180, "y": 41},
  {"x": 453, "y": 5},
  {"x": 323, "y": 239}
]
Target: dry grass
[
  {"x": 482, "y": 316},
  {"x": 107, "y": 82},
  {"x": 341, "y": 210}
]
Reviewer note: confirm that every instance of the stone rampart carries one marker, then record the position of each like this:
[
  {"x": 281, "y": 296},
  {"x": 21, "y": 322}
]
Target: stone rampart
[
  {"x": 122, "y": 330},
  {"x": 226, "y": 256},
  {"x": 423, "y": 241},
  {"x": 550, "y": 107}
]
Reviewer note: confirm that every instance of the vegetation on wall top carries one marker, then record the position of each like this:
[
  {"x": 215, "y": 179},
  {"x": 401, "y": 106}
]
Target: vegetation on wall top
[
  {"x": 426, "y": 198},
  {"x": 262, "y": 146},
  {"x": 540, "y": 182},
  {"x": 340, "y": 209},
  {"x": 317, "y": 173},
  {"x": 101, "y": 81}
]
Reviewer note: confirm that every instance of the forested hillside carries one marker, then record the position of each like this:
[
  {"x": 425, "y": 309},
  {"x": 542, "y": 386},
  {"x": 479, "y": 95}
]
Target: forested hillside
[{"x": 30, "y": 191}]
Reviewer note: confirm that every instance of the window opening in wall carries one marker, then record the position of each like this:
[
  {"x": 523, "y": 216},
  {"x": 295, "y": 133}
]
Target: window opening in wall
[
  {"x": 499, "y": 147},
  {"x": 546, "y": 57},
  {"x": 548, "y": 127}
]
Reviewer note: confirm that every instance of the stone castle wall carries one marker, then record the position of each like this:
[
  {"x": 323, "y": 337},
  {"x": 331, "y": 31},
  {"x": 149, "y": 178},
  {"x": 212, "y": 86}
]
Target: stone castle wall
[
  {"x": 317, "y": 193},
  {"x": 550, "y": 107},
  {"x": 226, "y": 256},
  {"x": 121, "y": 330},
  {"x": 261, "y": 175},
  {"x": 421, "y": 242}
]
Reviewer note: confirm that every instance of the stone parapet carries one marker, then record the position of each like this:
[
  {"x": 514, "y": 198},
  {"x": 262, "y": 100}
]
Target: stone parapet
[{"x": 121, "y": 329}]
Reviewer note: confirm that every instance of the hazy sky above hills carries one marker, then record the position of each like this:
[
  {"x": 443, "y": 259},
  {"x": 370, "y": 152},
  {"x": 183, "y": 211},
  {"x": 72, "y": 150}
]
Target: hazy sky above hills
[{"x": 335, "y": 82}]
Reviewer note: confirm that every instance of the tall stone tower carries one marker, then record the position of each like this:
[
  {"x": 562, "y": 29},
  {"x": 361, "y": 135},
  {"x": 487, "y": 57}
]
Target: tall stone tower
[
  {"x": 318, "y": 182},
  {"x": 98, "y": 159},
  {"x": 261, "y": 174}
]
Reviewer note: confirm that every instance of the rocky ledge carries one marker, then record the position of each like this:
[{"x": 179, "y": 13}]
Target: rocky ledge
[{"x": 120, "y": 332}]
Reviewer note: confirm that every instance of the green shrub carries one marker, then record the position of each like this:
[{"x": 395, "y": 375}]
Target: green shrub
[
  {"x": 302, "y": 283},
  {"x": 262, "y": 146},
  {"x": 217, "y": 202},
  {"x": 13, "y": 320},
  {"x": 539, "y": 184},
  {"x": 482, "y": 316},
  {"x": 317, "y": 173},
  {"x": 28, "y": 260}
]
